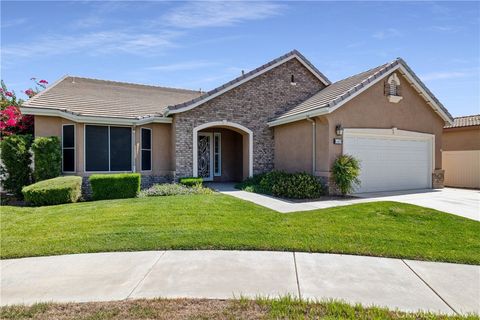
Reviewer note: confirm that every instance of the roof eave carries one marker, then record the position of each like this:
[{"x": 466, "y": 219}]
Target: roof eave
[{"x": 76, "y": 117}]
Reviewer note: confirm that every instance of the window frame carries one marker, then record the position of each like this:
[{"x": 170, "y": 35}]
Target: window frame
[
  {"x": 141, "y": 149},
  {"x": 74, "y": 147},
  {"x": 132, "y": 158},
  {"x": 217, "y": 171}
]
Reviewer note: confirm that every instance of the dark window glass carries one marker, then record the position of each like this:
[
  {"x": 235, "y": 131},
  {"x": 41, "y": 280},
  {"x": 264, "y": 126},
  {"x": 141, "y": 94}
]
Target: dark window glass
[
  {"x": 120, "y": 149},
  {"x": 68, "y": 160},
  {"x": 146, "y": 163},
  {"x": 146, "y": 139},
  {"x": 96, "y": 148},
  {"x": 68, "y": 136}
]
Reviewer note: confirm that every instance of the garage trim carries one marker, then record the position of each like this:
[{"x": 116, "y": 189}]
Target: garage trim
[{"x": 395, "y": 133}]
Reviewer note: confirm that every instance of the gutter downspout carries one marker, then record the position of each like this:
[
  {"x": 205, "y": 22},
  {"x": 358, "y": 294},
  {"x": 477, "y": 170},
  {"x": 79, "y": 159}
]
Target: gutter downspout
[
  {"x": 134, "y": 148},
  {"x": 314, "y": 144}
]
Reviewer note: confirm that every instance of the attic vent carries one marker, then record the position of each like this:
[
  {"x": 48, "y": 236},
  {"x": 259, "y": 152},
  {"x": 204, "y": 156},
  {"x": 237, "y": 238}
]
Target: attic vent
[{"x": 392, "y": 89}]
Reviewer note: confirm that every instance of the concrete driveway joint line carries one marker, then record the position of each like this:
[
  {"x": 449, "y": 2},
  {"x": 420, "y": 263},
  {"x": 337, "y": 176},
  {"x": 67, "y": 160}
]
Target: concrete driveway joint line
[
  {"x": 426, "y": 283},
  {"x": 146, "y": 274},
  {"x": 407, "y": 285},
  {"x": 296, "y": 276},
  {"x": 460, "y": 202}
]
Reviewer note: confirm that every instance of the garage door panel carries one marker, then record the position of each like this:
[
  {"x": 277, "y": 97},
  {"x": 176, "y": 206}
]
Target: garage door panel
[{"x": 388, "y": 164}]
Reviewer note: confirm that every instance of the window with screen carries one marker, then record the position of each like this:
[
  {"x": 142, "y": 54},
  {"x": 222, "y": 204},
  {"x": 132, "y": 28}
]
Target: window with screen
[
  {"x": 146, "y": 149},
  {"x": 68, "y": 148},
  {"x": 108, "y": 148}
]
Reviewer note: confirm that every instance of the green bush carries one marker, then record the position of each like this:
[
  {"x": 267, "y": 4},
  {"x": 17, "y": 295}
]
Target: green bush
[
  {"x": 282, "y": 184},
  {"x": 191, "y": 181},
  {"x": 115, "y": 186},
  {"x": 173, "y": 189},
  {"x": 54, "y": 191},
  {"x": 47, "y": 153},
  {"x": 345, "y": 171},
  {"x": 16, "y": 159}
]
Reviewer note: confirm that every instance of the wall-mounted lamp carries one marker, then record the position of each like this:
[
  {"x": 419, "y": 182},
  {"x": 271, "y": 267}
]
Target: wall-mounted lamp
[{"x": 339, "y": 130}]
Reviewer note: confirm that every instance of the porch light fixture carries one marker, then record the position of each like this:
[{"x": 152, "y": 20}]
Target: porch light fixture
[{"x": 339, "y": 130}]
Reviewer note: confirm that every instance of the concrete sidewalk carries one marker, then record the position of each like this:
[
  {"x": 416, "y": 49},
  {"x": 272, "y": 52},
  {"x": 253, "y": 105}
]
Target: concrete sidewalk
[
  {"x": 393, "y": 283},
  {"x": 460, "y": 202}
]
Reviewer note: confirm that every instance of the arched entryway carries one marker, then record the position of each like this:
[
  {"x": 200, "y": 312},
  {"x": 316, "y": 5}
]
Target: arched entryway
[{"x": 222, "y": 151}]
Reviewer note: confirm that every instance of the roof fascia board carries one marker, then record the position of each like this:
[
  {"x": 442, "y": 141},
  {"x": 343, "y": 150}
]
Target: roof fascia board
[
  {"x": 92, "y": 119},
  {"x": 300, "y": 116},
  {"x": 216, "y": 94}
]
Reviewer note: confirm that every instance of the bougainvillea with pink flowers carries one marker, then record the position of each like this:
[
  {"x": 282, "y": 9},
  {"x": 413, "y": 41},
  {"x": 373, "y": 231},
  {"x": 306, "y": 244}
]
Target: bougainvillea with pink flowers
[{"x": 11, "y": 119}]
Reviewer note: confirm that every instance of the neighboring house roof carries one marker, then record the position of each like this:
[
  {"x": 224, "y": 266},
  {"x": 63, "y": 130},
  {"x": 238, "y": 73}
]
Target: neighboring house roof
[
  {"x": 465, "y": 121},
  {"x": 86, "y": 97},
  {"x": 335, "y": 95},
  {"x": 246, "y": 77}
]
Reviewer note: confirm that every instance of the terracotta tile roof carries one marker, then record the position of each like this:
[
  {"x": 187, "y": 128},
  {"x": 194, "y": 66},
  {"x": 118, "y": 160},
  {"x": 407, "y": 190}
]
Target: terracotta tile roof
[
  {"x": 93, "y": 97},
  {"x": 465, "y": 121},
  {"x": 343, "y": 89},
  {"x": 249, "y": 74}
]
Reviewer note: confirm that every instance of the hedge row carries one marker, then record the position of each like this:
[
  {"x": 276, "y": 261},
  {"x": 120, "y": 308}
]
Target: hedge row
[
  {"x": 115, "y": 186},
  {"x": 54, "y": 191}
]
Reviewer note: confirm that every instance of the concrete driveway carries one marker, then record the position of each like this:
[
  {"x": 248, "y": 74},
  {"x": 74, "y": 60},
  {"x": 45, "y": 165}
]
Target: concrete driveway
[{"x": 461, "y": 202}]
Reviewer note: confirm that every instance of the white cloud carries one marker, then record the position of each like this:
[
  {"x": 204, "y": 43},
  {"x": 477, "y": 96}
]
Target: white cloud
[
  {"x": 13, "y": 23},
  {"x": 388, "y": 33},
  {"x": 219, "y": 14},
  {"x": 188, "y": 65},
  {"x": 444, "y": 75},
  {"x": 94, "y": 43}
]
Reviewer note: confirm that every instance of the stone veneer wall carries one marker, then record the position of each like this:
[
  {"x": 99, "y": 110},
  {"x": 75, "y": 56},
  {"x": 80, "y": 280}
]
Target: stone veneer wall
[
  {"x": 251, "y": 104},
  {"x": 438, "y": 177}
]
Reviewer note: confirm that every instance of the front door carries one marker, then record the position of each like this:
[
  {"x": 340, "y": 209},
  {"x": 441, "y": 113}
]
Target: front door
[{"x": 205, "y": 156}]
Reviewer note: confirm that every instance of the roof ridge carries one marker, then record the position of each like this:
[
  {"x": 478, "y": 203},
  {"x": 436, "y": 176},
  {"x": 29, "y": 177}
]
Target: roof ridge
[{"x": 135, "y": 84}]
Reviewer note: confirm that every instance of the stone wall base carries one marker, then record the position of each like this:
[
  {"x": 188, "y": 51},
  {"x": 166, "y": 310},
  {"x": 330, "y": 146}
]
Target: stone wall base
[
  {"x": 438, "y": 177},
  {"x": 146, "y": 182}
]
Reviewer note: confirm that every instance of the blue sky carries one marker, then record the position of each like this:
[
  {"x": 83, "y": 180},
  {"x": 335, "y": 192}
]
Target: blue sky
[{"x": 204, "y": 44}]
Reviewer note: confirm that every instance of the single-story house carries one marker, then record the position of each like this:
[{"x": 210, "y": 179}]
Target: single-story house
[
  {"x": 461, "y": 152},
  {"x": 283, "y": 115}
]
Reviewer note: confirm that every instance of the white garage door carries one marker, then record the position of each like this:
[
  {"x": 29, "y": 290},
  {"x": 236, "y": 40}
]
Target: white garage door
[{"x": 391, "y": 162}]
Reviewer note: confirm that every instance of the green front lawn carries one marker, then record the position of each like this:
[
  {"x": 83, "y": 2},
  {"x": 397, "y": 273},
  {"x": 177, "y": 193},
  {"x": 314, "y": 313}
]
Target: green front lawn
[{"x": 218, "y": 221}]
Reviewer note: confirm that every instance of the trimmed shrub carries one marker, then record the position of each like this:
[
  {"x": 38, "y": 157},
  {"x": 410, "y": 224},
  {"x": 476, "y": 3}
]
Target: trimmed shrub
[
  {"x": 16, "y": 159},
  {"x": 115, "y": 186},
  {"x": 47, "y": 153},
  {"x": 191, "y": 181},
  {"x": 54, "y": 191},
  {"x": 173, "y": 189},
  {"x": 287, "y": 185},
  {"x": 345, "y": 172}
]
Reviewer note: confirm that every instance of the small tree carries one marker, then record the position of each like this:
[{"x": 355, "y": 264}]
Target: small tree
[
  {"x": 47, "y": 153},
  {"x": 16, "y": 160},
  {"x": 346, "y": 170}
]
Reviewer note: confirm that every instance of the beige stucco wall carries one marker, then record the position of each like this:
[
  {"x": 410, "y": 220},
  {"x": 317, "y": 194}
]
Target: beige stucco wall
[
  {"x": 162, "y": 163},
  {"x": 161, "y": 149},
  {"x": 464, "y": 138},
  {"x": 293, "y": 147},
  {"x": 371, "y": 109}
]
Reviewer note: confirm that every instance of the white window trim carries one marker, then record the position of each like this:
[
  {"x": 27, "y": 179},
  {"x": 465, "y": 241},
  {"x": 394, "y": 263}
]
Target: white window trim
[
  {"x": 217, "y": 172},
  {"x": 109, "y": 165},
  {"x": 74, "y": 147},
  {"x": 141, "y": 149}
]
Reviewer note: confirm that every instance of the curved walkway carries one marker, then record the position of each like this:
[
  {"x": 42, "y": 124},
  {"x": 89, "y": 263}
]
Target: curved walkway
[{"x": 394, "y": 283}]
